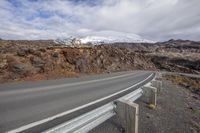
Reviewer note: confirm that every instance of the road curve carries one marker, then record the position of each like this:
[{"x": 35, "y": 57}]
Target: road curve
[{"x": 25, "y": 103}]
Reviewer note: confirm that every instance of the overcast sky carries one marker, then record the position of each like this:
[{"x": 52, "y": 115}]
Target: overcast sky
[{"x": 156, "y": 20}]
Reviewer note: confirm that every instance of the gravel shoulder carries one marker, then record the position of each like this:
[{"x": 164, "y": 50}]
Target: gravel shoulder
[{"x": 178, "y": 111}]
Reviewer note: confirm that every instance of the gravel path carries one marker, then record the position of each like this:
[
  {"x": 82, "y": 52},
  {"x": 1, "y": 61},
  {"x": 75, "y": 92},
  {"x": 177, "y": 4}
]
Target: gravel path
[{"x": 178, "y": 111}]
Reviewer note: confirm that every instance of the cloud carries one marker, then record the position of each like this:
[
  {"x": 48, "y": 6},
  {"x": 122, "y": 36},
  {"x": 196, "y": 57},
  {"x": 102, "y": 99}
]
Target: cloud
[{"x": 50, "y": 19}]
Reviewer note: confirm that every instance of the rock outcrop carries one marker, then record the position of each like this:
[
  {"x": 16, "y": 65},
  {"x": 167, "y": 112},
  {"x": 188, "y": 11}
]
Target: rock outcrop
[{"x": 27, "y": 60}]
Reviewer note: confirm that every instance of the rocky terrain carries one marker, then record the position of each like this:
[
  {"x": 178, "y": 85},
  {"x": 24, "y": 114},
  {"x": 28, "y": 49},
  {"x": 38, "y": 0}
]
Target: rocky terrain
[
  {"x": 173, "y": 55},
  {"x": 44, "y": 59}
]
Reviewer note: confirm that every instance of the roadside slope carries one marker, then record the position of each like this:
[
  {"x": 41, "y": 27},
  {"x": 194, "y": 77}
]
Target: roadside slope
[{"x": 177, "y": 112}]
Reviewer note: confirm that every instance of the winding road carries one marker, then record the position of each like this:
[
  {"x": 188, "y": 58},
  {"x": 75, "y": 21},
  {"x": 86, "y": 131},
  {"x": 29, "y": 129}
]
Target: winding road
[{"x": 36, "y": 106}]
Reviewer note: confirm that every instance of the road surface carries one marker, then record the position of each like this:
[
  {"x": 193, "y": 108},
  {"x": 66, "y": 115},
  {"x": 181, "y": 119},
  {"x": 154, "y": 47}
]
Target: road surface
[{"x": 22, "y": 104}]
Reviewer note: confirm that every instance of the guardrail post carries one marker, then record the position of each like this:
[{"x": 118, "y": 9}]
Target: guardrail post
[
  {"x": 158, "y": 76},
  {"x": 128, "y": 113},
  {"x": 150, "y": 94},
  {"x": 157, "y": 84},
  {"x": 154, "y": 96}
]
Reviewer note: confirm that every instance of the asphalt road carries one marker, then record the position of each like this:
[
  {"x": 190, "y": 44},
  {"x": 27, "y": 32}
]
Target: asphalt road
[{"x": 25, "y": 103}]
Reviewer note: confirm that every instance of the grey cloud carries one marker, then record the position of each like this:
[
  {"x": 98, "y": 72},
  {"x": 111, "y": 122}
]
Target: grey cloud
[{"x": 152, "y": 19}]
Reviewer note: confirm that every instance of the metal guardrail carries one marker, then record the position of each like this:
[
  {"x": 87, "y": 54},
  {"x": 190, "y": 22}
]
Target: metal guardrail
[
  {"x": 90, "y": 120},
  {"x": 86, "y": 122}
]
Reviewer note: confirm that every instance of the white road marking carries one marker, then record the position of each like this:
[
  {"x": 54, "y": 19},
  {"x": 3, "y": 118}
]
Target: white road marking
[
  {"x": 61, "y": 85},
  {"x": 25, "y": 127}
]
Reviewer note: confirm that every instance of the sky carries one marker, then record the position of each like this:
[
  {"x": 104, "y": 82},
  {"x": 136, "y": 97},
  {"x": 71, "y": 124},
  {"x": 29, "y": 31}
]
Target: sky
[{"x": 156, "y": 20}]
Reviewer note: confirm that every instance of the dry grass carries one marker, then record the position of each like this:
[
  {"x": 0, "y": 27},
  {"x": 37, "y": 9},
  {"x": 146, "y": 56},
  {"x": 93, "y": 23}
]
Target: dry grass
[{"x": 193, "y": 84}]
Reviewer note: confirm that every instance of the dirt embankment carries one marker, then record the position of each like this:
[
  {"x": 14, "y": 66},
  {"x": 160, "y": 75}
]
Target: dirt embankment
[
  {"x": 191, "y": 83},
  {"x": 38, "y": 60}
]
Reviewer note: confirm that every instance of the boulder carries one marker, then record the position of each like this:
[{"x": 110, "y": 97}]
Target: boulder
[
  {"x": 20, "y": 70},
  {"x": 81, "y": 65},
  {"x": 37, "y": 62},
  {"x": 72, "y": 55},
  {"x": 22, "y": 51},
  {"x": 55, "y": 55}
]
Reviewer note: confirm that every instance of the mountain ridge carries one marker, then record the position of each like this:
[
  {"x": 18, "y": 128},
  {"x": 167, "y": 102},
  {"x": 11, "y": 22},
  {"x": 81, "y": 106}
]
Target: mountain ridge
[{"x": 103, "y": 37}]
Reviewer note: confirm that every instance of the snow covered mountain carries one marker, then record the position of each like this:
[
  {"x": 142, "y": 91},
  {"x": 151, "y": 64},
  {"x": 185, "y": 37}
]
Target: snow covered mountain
[
  {"x": 66, "y": 41},
  {"x": 112, "y": 36},
  {"x": 105, "y": 37}
]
